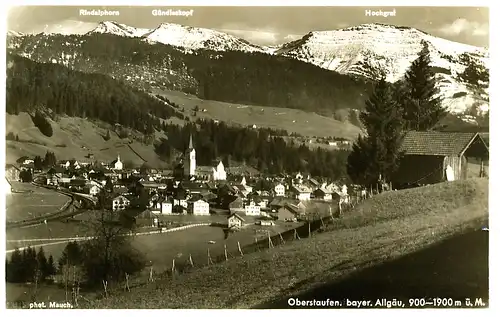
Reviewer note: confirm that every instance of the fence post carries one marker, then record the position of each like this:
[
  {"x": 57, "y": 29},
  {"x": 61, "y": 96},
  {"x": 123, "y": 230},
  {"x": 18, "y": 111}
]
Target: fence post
[
  {"x": 105, "y": 284},
  {"x": 127, "y": 287},
  {"x": 191, "y": 260},
  {"x": 225, "y": 252},
  {"x": 151, "y": 275},
  {"x": 270, "y": 241},
  {"x": 239, "y": 248},
  {"x": 173, "y": 267},
  {"x": 281, "y": 238},
  {"x": 209, "y": 257},
  {"x": 296, "y": 235}
]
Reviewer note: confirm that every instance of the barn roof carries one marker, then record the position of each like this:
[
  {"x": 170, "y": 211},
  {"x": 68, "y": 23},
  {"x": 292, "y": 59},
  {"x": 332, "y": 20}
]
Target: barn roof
[{"x": 436, "y": 143}]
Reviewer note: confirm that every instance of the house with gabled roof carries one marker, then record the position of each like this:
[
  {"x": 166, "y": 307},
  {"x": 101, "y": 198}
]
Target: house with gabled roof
[
  {"x": 162, "y": 205},
  {"x": 252, "y": 207},
  {"x": 323, "y": 193},
  {"x": 287, "y": 213},
  {"x": 235, "y": 221},
  {"x": 431, "y": 157},
  {"x": 120, "y": 202},
  {"x": 12, "y": 172},
  {"x": 198, "y": 206},
  {"x": 301, "y": 192}
]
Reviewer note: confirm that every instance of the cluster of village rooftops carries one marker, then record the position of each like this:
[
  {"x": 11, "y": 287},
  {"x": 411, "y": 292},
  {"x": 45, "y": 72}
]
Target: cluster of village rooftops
[{"x": 201, "y": 190}]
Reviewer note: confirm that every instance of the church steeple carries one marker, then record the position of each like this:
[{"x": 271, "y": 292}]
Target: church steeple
[
  {"x": 190, "y": 159},
  {"x": 191, "y": 142}
]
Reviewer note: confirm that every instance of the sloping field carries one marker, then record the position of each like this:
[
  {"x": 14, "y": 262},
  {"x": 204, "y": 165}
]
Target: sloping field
[
  {"x": 292, "y": 120},
  {"x": 384, "y": 228},
  {"x": 73, "y": 138},
  {"x": 35, "y": 202}
]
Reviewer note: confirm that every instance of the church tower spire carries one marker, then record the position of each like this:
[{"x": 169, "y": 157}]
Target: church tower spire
[
  {"x": 190, "y": 159},
  {"x": 191, "y": 142}
]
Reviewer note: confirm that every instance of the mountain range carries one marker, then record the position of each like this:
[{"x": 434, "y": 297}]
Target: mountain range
[{"x": 173, "y": 56}]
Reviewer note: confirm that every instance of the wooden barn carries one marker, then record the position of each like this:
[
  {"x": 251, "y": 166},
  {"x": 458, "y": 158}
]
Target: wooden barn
[{"x": 431, "y": 157}]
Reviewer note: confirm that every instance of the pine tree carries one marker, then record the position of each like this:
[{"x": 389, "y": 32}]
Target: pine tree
[
  {"x": 42, "y": 266},
  {"x": 51, "y": 267},
  {"x": 14, "y": 273},
  {"x": 38, "y": 163},
  {"x": 418, "y": 94},
  {"x": 358, "y": 162},
  {"x": 377, "y": 154}
]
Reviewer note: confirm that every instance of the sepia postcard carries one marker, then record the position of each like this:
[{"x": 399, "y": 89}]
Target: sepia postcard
[{"x": 255, "y": 157}]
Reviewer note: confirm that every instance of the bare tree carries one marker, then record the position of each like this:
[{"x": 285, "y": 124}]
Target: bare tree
[{"x": 108, "y": 252}]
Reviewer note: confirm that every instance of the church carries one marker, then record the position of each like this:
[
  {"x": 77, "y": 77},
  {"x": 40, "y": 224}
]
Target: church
[{"x": 217, "y": 173}]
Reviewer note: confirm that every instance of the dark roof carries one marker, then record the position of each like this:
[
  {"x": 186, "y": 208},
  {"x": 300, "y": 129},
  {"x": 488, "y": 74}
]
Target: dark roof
[
  {"x": 7, "y": 166},
  {"x": 436, "y": 143},
  {"x": 237, "y": 216}
]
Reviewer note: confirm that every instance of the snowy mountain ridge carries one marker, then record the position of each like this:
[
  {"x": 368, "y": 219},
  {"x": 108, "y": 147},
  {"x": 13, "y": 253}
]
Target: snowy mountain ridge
[{"x": 365, "y": 50}]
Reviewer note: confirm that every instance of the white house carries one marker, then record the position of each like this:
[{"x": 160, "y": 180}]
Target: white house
[
  {"x": 200, "y": 207},
  {"x": 120, "y": 203},
  {"x": 66, "y": 165},
  {"x": 279, "y": 190},
  {"x": 235, "y": 221},
  {"x": 181, "y": 202},
  {"x": 166, "y": 207},
  {"x": 92, "y": 189},
  {"x": 252, "y": 209},
  {"x": 162, "y": 206},
  {"x": 301, "y": 192},
  {"x": 219, "y": 172}
]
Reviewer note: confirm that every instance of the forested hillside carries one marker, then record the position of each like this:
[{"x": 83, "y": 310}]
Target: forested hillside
[
  {"x": 251, "y": 78},
  {"x": 256, "y": 147},
  {"x": 33, "y": 85},
  {"x": 41, "y": 89}
]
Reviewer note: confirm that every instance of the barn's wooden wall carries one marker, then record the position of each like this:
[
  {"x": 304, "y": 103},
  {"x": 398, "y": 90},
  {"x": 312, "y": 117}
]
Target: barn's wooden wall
[
  {"x": 426, "y": 169},
  {"x": 456, "y": 164}
]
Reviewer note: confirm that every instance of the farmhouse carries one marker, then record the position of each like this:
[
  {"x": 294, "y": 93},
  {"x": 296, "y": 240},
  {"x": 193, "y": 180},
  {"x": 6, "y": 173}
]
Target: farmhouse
[
  {"x": 252, "y": 208},
  {"x": 120, "y": 203},
  {"x": 431, "y": 157},
  {"x": 279, "y": 190},
  {"x": 301, "y": 192},
  {"x": 323, "y": 193},
  {"x": 12, "y": 173},
  {"x": 199, "y": 207},
  {"x": 287, "y": 212},
  {"x": 92, "y": 189},
  {"x": 236, "y": 205},
  {"x": 235, "y": 221}
]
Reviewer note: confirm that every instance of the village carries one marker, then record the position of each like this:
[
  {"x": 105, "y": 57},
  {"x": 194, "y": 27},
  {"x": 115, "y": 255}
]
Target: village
[{"x": 241, "y": 194}]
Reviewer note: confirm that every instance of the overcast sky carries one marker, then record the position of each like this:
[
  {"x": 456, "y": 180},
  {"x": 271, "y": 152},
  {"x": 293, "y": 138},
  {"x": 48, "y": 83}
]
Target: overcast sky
[{"x": 267, "y": 25}]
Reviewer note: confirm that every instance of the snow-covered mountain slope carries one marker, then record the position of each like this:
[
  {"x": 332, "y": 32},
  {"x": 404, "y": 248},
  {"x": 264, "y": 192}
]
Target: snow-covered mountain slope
[
  {"x": 14, "y": 33},
  {"x": 370, "y": 48},
  {"x": 365, "y": 51},
  {"x": 66, "y": 27},
  {"x": 192, "y": 38},
  {"x": 119, "y": 29}
]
